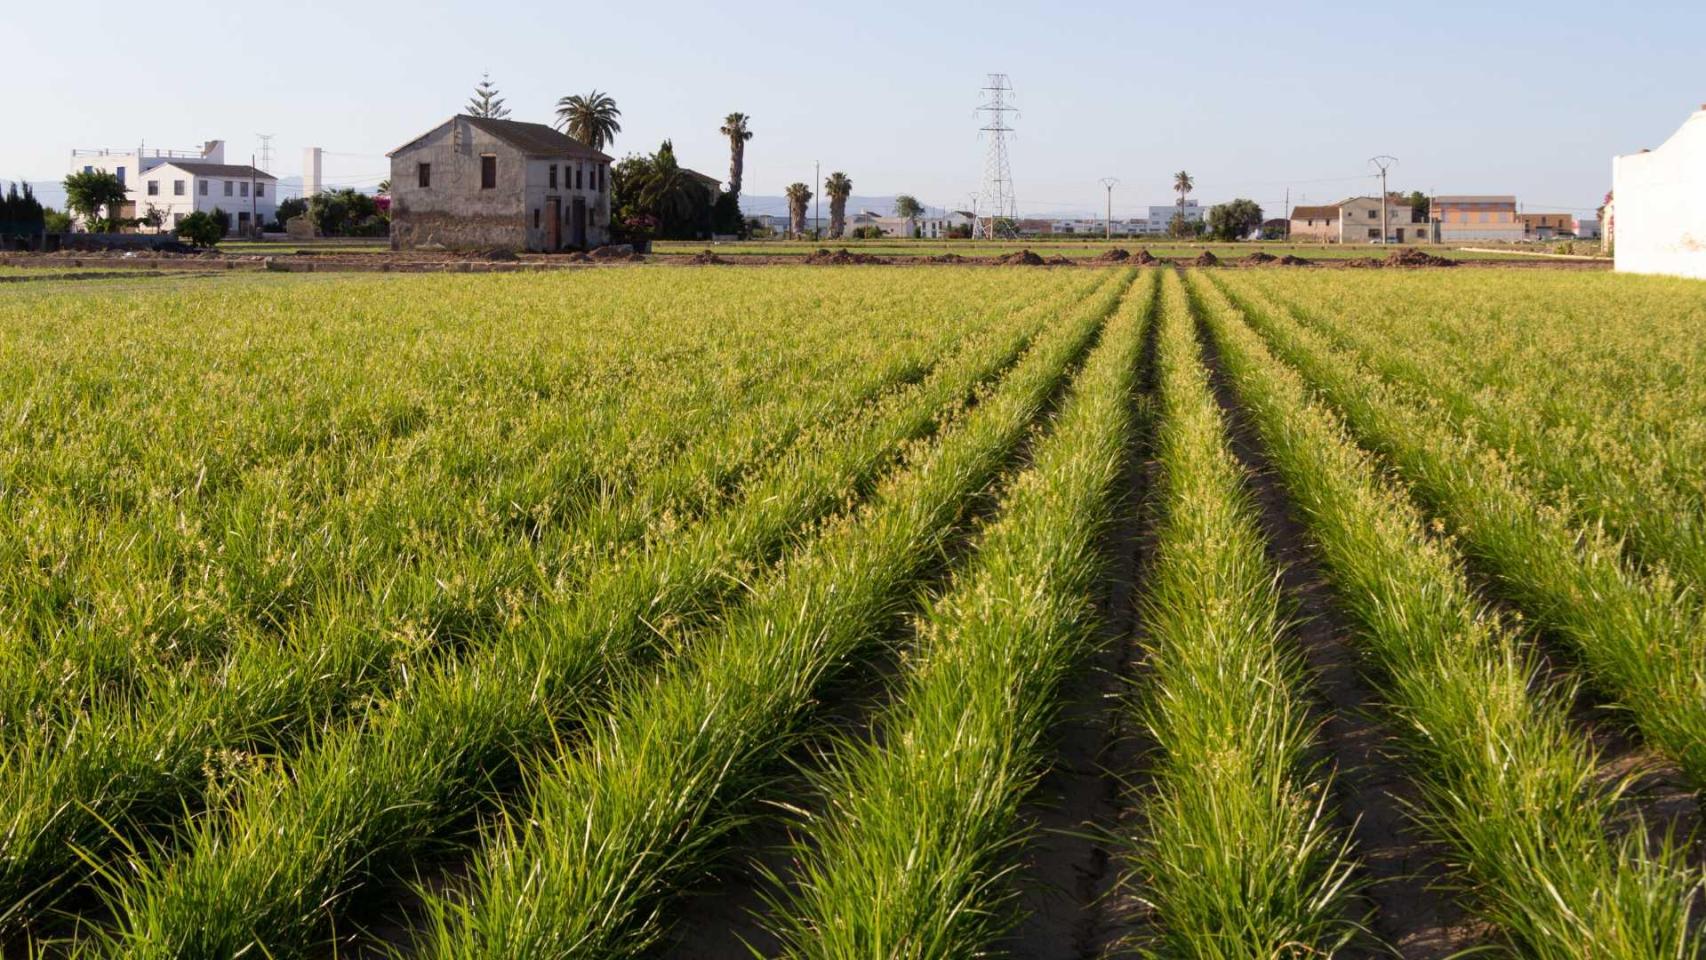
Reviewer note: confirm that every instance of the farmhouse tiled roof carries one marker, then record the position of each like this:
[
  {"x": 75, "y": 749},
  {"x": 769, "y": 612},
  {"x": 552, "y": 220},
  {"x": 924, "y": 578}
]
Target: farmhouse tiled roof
[
  {"x": 536, "y": 139},
  {"x": 1315, "y": 213},
  {"x": 230, "y": 171}
]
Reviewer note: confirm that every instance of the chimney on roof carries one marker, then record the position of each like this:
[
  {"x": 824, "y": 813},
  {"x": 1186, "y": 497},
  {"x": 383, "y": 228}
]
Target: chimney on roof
[{"x": 213, "y": 151}]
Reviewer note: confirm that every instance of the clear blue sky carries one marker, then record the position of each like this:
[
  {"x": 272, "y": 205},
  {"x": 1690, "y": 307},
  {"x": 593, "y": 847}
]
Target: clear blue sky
[{"x": 1530, "y": 98}]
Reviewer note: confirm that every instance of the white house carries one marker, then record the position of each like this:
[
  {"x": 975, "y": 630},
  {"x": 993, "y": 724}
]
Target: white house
[
  {"x": 129, "y": 166},
  {"x": 1160, "y": 218},
  {"x": 178, "y": 188},
  {"x": 1587, "y": 228},
  {"x": 1660, "y": 203}
]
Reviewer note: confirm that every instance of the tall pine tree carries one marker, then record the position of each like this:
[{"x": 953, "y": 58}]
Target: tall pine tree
[{"x": 486, "y": 102}]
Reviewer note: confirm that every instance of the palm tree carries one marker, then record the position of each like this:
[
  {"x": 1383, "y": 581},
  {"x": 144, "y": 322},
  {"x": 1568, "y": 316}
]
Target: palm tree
[
  {"x": 1183, "y": 184},
  {"x": 734, "y": 127},
  {"x": 591, "y": 119},
  {"x": 486, "y": 102},
  {"x": 839, "y": 189},
  {"x": 798, "y": 195}
]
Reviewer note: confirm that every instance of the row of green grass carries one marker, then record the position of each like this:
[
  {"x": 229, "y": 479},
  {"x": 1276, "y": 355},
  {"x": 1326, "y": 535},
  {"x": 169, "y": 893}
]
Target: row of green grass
[
  {"x": 1640, "y": 637},
  {"x": 1535, "y": 840},
  {"x": 1157, "y": 246},
  {"x": 914, "y": 853},
  {"x": 1237, "y": 854}
]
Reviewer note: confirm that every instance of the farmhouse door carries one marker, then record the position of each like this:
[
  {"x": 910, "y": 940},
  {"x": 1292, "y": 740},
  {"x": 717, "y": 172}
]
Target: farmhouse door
[
  {"x": 579, "y": 222},
  {"x": 554, "y": 216}
]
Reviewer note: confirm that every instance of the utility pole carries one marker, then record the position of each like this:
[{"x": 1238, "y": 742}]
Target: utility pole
[
  {"x": 1288, "y": 213},
  {"x": 254, "y": 226},
  {"x": 1108, "y": 229},
  {"x": 1385, "y": 163},
  {"x": 817, "y": 196}
]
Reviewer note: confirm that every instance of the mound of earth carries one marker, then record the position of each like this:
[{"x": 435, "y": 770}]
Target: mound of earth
[
  {"x": 1291, "y": 261},
  {"x": 1206, "y": 259},
  {"x": 498, "y": 255},
  {"x": 1258, "y": 258},
  {"x": 842, "y": 257},
  {"x": 1412, "y": 257},
  {"x": 1142, "y": 256},
  {"x": 705, "y": 258},
  {"x": 946, "y": 258},
  {"x": 1116, "y": 255},
  {"x": 1059, "y": 260},
  {"x": 1360, "y": 263},
  {"x": 620, "y": 251},
  {"x": 1021, "y": 258}
]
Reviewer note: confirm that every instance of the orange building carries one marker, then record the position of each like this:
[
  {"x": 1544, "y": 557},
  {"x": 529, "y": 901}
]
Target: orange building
[
  {"x": 1463, "y": 218},
  {"x": 1545, "y": 226}
]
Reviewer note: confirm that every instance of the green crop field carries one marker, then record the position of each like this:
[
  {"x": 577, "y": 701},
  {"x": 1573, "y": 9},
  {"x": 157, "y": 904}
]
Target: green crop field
[
  {"x": 854, "y": 612},
  {"x": 1159, "y": 247}
]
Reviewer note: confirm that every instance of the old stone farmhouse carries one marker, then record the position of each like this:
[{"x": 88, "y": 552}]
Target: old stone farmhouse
[{"x": 478, "y": 183}]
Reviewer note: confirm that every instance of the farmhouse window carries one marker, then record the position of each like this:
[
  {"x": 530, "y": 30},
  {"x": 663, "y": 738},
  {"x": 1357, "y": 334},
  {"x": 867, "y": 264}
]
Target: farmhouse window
[
  {"x": 423, "y": 175},
  {"x": 243, "y": 188},
  {"x": 229, "y": 184},
  {"x": 535, "y": 218},
  {"x": 177, "y": 188},
  {"x": 201, "y": 187},
  {"x": 260, "y": 189},
  {"x": 488, "y": 171},
  {"x": 553, "y": 176},
  {"x": 154, "y": 188},
  {"x": 579, "y": 171}
]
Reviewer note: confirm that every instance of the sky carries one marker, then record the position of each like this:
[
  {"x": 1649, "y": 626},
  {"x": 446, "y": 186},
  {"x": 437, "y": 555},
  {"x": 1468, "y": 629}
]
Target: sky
[{"x": 1253, "y": 99}]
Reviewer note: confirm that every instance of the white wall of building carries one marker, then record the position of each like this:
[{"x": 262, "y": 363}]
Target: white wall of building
[
  {"x": 1660, "y": 197},
  {"x": 177, "y": 193},
  {"x": 130, "y": 165}
]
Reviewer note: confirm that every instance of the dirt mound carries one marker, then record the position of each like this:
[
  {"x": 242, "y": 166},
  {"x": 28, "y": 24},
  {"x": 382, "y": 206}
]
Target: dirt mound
[
  {"x": 945, "y": 258},
  {"x": 1021, "y": 258},
  {"x": 1258, "y": 258},
  {"x": 1059, "y": 260},
  {"x": 497, "y": 255},
  {"x": 1206, "y": 259},
  {"x": 1143, "y": 257},
  {"x": 620, "y": 251},
  {"x": 1292, "y": 261},
  {"x": 842, "y": 257},
  {"x": 1360, "y": 263},
  {"x": 1411, "y": 257},
  {"x": 1116, "y": 255},
  {"x": 705, "y": 258}
]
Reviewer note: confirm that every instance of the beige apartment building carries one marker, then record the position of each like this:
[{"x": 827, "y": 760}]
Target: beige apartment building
[
  {"x": 1465, "y": 218},
  {"x": 1357, "y": 220}
]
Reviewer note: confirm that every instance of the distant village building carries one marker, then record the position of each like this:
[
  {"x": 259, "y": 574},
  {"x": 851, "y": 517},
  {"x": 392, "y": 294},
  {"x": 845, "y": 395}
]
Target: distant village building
[
  {"x": 1660, "y": 205},
  {"x": 922, "y": 227},
  {"x": 1587, "y": 228},
  {"x": 1357, "y": 220},
  {"x": 129, "y": 166},
  {"x": 247, "y": 197},
  {"x": 1547, "y": 226},
  {"x": 1160, "y": 219},
  {"x": 1463, "y": 219},
  {"x": 475, "y": 182}
]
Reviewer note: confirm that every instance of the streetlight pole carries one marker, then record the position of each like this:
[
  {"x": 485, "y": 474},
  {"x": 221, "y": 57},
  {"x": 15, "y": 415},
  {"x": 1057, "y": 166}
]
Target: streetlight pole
[
  {"x": 1108, "y": 224},
  {"x": 1384, "y": 162},
  {"x": 817, "y": 196}
]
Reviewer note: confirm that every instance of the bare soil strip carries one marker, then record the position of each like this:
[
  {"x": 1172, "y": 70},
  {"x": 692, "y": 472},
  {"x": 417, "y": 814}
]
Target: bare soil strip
[{"x": 1409, "y": 909}]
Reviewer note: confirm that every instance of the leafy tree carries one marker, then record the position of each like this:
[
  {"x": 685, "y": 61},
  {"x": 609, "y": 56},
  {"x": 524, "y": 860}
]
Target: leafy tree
[
  {"x": 838, "y": 188},
  {"x": 725, "y": 215},
  {"x": 486, "y": 102},
  {"x": 56, "y": 221},
  {"x": 346, "y": 213},
  {"x": 653, "y": 193},
  {"x": 1234, "y": 220},
  {"x": 201, "y": 229},
  {"x": 154, "y": 219},
  {"x": 799, "y": 195},
  {"x": 591, "y": 119},
  {"x": 1183, "y": 184},
  {"x": 1419, "y": 206},
  {"x": 92, "y": 193},
  {"x": 1183, "y": 228},
  {"x": 907, "y": 205},
  {"x": 289, "y": 210},
  {"x": 734, "y": 127}
]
